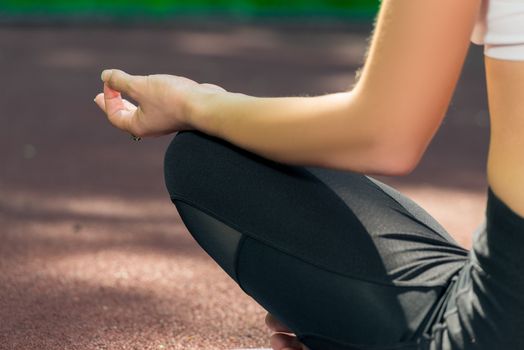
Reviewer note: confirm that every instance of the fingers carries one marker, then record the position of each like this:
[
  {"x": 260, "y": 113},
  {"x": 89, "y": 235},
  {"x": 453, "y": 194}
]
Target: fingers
[
  {"x": 121, "y": 113},
  {"x": 113, "y": 102},
  {"x": 121, "y": 81},
  {"x": 100, "y": 101},
  {"x": 275, "y": 325}
]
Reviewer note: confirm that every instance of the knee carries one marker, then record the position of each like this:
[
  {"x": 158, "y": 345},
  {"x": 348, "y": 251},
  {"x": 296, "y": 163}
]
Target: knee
[
  {"x": 196, "y": 164},
  {"x": 170, "y": 164},
  {"x": 182, "y": 159}
]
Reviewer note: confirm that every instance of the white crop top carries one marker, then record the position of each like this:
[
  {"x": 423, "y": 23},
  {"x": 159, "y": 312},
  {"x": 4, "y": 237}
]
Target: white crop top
[{"x": 500, "y": 28}]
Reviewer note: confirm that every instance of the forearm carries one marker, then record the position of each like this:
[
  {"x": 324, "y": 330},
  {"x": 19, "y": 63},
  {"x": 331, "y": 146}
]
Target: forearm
[{"x": 327, "y": 131}]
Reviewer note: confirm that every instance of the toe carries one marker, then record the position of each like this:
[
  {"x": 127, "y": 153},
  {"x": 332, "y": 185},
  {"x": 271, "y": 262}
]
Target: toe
[{"x": 280, "y": 341}]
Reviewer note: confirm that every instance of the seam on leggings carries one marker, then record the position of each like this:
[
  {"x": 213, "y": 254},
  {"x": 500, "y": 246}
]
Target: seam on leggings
[
  {"x": 235, "y": 263},
  {"x": 401, "y": 284},
  {"x": 447, "y": 237},
  {"x": 412, "y": 216}
]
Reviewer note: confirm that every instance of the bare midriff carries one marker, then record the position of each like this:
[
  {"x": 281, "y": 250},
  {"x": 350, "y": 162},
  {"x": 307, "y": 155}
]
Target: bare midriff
[{"x": 505, "y": 167}]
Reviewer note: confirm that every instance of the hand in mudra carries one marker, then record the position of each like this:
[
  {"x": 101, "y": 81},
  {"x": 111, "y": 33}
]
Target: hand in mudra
[
  {"x": 165, "y": 102},
  {"x": 282, "y": 338}
]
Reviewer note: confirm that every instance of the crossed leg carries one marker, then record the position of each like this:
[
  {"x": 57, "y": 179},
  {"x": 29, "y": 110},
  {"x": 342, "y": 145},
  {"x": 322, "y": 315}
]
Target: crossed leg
[{"x": 341, "y": 259}]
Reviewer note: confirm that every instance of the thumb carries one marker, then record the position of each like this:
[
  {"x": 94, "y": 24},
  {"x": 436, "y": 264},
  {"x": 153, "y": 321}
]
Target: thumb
[{"x": 120, "y": 81}]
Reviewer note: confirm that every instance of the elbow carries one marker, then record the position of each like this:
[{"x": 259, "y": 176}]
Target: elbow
[
  {"x": 398, "y": 159},
  {"x": 398, "y": 151},
  {"x": 378, "y": 158},
  {"x": 402, "y": 167}
]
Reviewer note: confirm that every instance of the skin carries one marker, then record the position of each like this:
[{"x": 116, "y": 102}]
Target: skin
[
  {"x": 381, "y": 126},
  {"x": 505, "y": 168}
]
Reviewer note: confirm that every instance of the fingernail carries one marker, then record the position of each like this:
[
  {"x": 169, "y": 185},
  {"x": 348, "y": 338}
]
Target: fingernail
[{"x": 106, "y": 74}]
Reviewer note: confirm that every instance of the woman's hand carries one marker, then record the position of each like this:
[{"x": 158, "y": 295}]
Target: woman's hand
[
  {"x": 165, "y": 102},
  {"x": 282, "y": 338}
]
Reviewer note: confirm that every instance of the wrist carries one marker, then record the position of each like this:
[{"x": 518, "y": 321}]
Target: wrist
[
  {"x": 208, "y": 110},
  {"x": 198, "y": 114}
]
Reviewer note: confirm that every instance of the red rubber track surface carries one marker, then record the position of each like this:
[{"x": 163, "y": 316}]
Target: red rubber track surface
[{"x": 92, "y": 253}]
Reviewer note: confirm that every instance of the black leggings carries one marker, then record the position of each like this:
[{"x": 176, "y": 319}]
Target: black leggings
[{"x": 345, "y": 261}]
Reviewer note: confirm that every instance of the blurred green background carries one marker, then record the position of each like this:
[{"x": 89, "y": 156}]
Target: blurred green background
[{"x": 174, "y": 8}]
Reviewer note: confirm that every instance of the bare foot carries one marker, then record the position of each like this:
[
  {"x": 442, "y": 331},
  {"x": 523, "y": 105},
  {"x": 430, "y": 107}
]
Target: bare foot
[{"x": 283, "y": 338}]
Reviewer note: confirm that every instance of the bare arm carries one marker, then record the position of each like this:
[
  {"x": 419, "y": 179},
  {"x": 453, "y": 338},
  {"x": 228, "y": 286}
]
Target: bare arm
[
  {"x": 385, "y": 124},
  {"x": 382, "y": 126}
]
